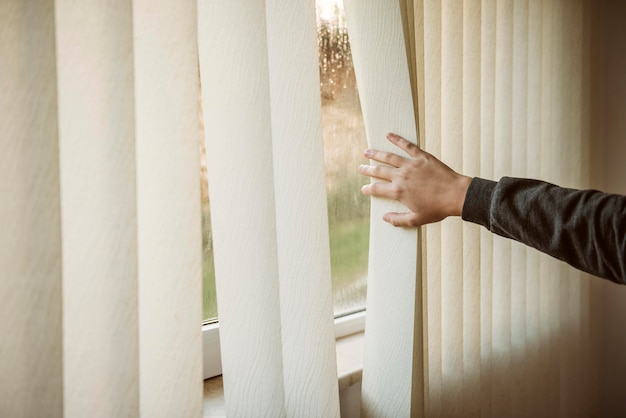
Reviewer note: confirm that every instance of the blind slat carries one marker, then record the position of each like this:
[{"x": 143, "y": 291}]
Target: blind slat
[
  {"x": 549, "y": 363},
  {"x": 96, "y": 101},
  {"x": 586, "y": 289},
  {"x": 471, "y": 235},
  {"x": 432, "y": 144},
  {"x": 168, "y": 208},
  {"x": 534, "y": 347},
  {"x": 452, "y": 302},
  {"x": 487, "y": 96},
  {"x": 520, "y": 400},
  {"x": 30, "y": 218},
  {"x": 501, "y": 321},
  {"x": 382, "y": 73}
]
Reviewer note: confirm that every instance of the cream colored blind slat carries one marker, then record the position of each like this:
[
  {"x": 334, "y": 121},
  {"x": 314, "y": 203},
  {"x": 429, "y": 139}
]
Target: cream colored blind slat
[
  {"x": 551, "y": 171},
  {"x": 487, "y": 110},
  {"x": 501, "y": 320},
  {"x": 96, "y": 101},
  {"x": 393, "y": 306},
  {"x": 558, "y": 141},
  {"x": 168, "y": 208},
  {"x": 30, "y": 219},
  {"x": 419, "y": 68},
  {"x": 577, "y": 290},
  {"x": 520, "y": 400},
  {"x": 452, "y": 302},
  {"x": 546, "y": 271},
  {"x": 432, "y": 144},
  {"x": 534, "y": 343},
  {"x": 471, "y": 235},
  {"x": 586, "y": 290}
]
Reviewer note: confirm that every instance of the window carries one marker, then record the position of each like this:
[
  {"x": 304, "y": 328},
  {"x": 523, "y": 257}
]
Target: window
[
  {"x": 344, "y": 142},
  {"x": 348, "y": 210},
  {"x": 209, "y": 298}
]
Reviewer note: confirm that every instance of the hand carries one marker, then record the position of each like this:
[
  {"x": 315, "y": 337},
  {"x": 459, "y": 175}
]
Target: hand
[{"x": 430, "y": 189}]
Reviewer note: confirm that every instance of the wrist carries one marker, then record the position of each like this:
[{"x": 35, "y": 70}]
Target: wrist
[{"x": 459, "y": 192}]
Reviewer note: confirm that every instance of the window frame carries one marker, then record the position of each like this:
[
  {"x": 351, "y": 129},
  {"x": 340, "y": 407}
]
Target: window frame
[{"x": 211, "y": 354}]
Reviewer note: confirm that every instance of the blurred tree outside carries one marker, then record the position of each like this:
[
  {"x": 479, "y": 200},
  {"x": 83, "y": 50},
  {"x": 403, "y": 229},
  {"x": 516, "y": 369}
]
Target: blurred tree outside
[{"x": 344, "y": 143}]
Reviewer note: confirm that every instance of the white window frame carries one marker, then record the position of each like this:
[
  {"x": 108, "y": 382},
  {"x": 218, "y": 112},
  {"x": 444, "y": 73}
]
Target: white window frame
[{"x": 212, "y": 358}]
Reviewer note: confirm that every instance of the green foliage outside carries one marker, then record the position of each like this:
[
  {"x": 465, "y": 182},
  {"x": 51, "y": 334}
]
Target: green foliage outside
[{"x": 348, "y": 216}]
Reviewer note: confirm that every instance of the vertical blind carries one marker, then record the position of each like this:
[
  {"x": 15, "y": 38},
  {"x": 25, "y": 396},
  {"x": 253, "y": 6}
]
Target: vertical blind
[
  {"x": 503, "y": 88},
  {"x": 101, "y": 249}
]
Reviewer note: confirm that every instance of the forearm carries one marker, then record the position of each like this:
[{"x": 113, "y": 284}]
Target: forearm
[{"x": 584, "y": 228}]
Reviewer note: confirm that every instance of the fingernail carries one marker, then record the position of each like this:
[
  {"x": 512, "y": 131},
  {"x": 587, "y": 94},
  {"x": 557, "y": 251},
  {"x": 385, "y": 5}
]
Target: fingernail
[
  {"x": 391, "y": 137},
  {"x": 386, "y": 217},
  {"x": 368, "y": 152},
  {"x": 362, "y": 167},
  {"x": 363, "y": 188}
]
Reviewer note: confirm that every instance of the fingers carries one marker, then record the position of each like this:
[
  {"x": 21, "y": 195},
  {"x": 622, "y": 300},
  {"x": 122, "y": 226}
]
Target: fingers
[
  {"x": 385, "y": 157},
  {"x": 378, "y": 171},
  {"x": 412, "y": 149},
  {"x": 383, "y": 189},
  {"x": 407, "y": 219},
  {"x": 391, "y": 158}
]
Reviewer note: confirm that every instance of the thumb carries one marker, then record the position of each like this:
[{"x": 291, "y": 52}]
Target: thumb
[{"x": 402, "y": 219}]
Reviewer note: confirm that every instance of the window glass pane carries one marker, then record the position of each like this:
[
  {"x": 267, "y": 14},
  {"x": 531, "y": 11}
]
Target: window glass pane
[
  {"x": 344, "y": 142},
  {"x": 209, "y": 300}
]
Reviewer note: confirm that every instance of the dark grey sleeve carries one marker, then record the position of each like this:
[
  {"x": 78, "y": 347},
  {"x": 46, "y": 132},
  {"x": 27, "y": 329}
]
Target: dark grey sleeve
[{"x": 585, "y": 228}]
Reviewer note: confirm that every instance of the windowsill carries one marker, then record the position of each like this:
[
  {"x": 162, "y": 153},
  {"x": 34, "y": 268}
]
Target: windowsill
[
  {"x": 213, "y": 404},
  {"x": 350, "y": 359},
  {"x": 349, "y": 370}
]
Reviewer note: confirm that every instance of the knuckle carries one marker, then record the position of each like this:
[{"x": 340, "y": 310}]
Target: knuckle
[
  {"x": 403, "y": 174},
  {"x": 421, "y": 160},
  {"x": 395, "y": 191}
]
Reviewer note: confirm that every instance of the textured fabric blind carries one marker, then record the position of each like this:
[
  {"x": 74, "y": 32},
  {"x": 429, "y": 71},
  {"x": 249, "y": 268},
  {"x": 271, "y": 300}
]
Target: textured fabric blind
[
  {"x": 101, "y": 251},
  {"x": 392, "y": 370},
  {"x": 262, "y": 113},
  {"x": 100, "y": 265},
  {"x": 504, "y": 89},
  {"x": 31, "y": 358}
]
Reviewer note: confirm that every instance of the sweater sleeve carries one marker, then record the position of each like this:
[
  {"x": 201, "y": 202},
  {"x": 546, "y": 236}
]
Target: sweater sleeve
[{"x": 585, "y": 228}]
